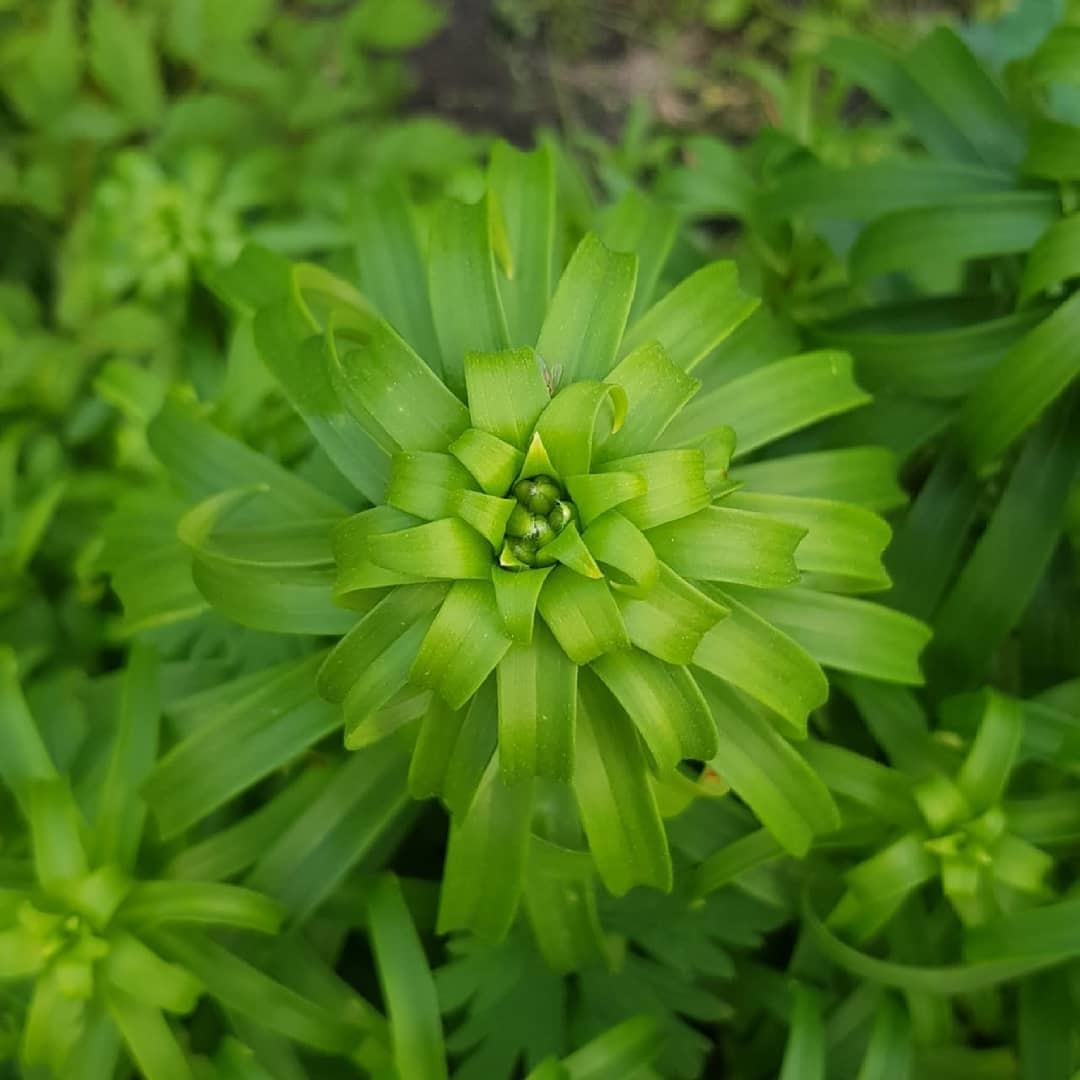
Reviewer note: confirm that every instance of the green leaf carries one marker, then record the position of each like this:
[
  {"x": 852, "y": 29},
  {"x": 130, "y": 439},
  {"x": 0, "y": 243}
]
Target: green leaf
[
  {"x": 587, "y": 315},
  {"x": 463, "y": 645},
  {"x": 1038, "y": 936},
  {"x": 738, "y": 857},
  {"x": 485, "y": 859},
  {"x": 1053, "y": 151},
  {"x": 154, "y": 903},
  {"x": 1025, "y": 381},
  {"x": 23, "y": 755},
  {"x": 675, "y": 486},
  {"x": 721, "y": 544},
  {"x": 426, "y": 484},
  {"x": 754, "y": 656},
  {"x": 1045, "y": 1027},
  {"x": 656, "y": 390},
  {"x": 55, "y": 828},
  {"x": 391, "y": 266},
  {"x": 205, "y": 461},
  {"x": 595, "y": 494},
  {"x": 124, "y": 61},
  {"x": 260, "y": 724},
  {"x": 242, "y": 988},
  {"x": 670, "y": 619},
  {"x": 439, "y": 549},
  {"x": 647, "y": 229},
  {"x": 694, "y": 317},
  {"x": 121, "y": 812},
  {"x": 617, "y": 804},
  {"x": 772, "y": 401},
  {"x": 985, "y": 772},
  {"x": 149, "y": 1038},
  {"x": 582, "y": 615},
  {"x": 665, "y": 704},
  {"x": 621, "y": 548},
  {"x": 804, "y": 1055},
  {"x": 506, "y": 392},
  {"x": 516, "y": 595},
  {"x": 844, "y": 632},
  {"x": 978, "y": 227},
  {"x": 863, "y": 475},
  {"x": 537, "y": 688},
  {"x": 619, "y": 1052},
  {"x": 51, "y": 1026},
  {"x": 464, "y": 294},
  {"x": 523, "y": 190},
  {"x": 132, "y": 967},
  {"x": 766, "y": 772},
  {"x": 494, "y": 464},
  {"x": 567, "y": 426},
  {"x": 1053, "y": 259},
  {"x": 360, "y": 807},
  {"x": 404, "y": 396},
  {"x": 392, "y": 25},
  {"x": 990, "y": 593},
  {"x": 407, "y": 986},
  {"x": 356, "y": 572},
  {"x": 842, "y": 547},
  {"x": 890, "y": 1052}
]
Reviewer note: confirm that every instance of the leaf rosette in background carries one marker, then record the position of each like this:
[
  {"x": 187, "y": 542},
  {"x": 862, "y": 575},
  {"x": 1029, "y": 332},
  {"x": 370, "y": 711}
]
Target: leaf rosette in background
[{"x": 549, "y": 568}]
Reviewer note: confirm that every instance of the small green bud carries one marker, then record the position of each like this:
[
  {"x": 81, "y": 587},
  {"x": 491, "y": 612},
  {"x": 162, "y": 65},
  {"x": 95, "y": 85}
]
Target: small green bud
[
  {"x": 519, "y": 521},
  {"x": 539, "y": 532},
  {"x": 539, "y": 494},
  {"x": 523, "y": 552},
  {"x": 561, "y": 515}
]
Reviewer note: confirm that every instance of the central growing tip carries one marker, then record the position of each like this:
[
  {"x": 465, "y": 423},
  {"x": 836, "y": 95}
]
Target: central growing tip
[{"x": 542, "y": 512}]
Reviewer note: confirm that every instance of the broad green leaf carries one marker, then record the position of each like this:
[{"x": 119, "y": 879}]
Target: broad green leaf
[
  {"x": 863, "y": 475},
  {"x": 977, "y": 227},
  {"x": 736, "y": 858},
  {"x": 523, "y": 190},
  {"x": 55, "y": 828},
  {"x": 891, "y": 1050},
  {"x": 463, "y": 645},
  {"x": 656, "y": 390},
  {"x": 670, "y": 619},
  {"x": 804, "y": 1055},
  {"x": 647, "y": 229},
  {"x": 407, "y": 986},
  {"x": 844, "y": 632},
  {"x": 464, "y": 294},
  {"x": 617, "y": 804},
  {"x": 622, "y": 550},
  {"x": 618, "y": 1053},
  {"x": 427, "y": 484},
  {"x": 694, "y": 317},
  {"x": 391, "y": 267},
  {"x": 361, "y": 806},
  {"x": 404, "y": 396},
  {"x": 274, "y": 718},
  {"x": 1025, "y": 381},
  {"x": 1053, "y": 151},
  {"x": 772, "y": 401},
  {"x": 674, "y": 485},
  {"x": 516, "y": 595},
  {"x": 392, "y": 25},
  {"x": 722, "y": 544},
  {"x": 1045, "y": 1025},
  {"x": 51, "y": 1026},
  {"x": 439, "y": 549},
  {"x": 124, "y": 61},
  {"x": 985, "y": 772},
  {"x": 356, "y": 571},
  {"x": 841, "y": 550},
  {"x": 765, "y": 772},
  {"x": 1048, "y": 933},
  {"x": 594, "y": 494},
  {"x": 582, "y": 615},
  {"x": 1053, "y": 259},
  {"x": 154, "y": 903},
  {"x": 587, "y": 315},
  {"x": 506, "y": 393},
  {"x": 568, "y": 424},
  {"x": 23, "y": 755},
  {"x": 863, "y": 192},
  {"x": 121, "y": 812},
  {"x": 883, "y": 791},
  {"x": 485, "y": 859},
  {"x": 494, "y": 463},
  {"x": 749, "y": 653},
  {"x": 569, "y": 549},
  {"x": 243, "y": 988},
  {"x": 990, "y": 593},
  {"x": 537, "y": 687},
  {"x": 665, "y": 704},
  {"x": 132, "y": 967},
  {"x": 205, "y": 461},
  {"x": 150, "y": 1040}
]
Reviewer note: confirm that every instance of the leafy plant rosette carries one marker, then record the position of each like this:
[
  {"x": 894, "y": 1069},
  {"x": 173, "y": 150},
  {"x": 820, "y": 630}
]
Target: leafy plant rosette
[{"x": 547, "y": 570}]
